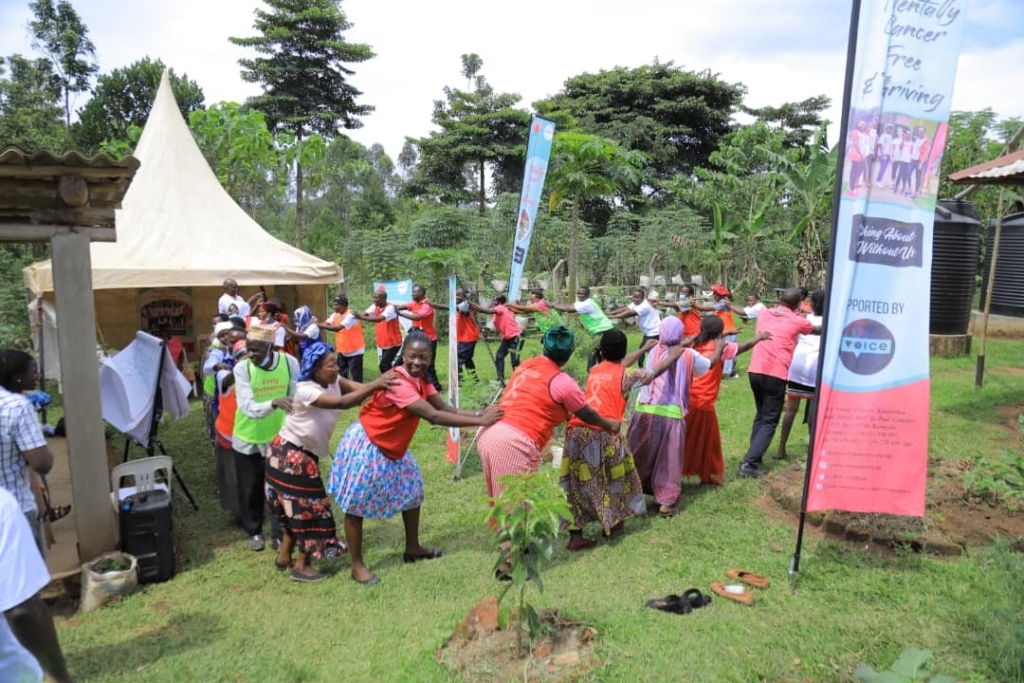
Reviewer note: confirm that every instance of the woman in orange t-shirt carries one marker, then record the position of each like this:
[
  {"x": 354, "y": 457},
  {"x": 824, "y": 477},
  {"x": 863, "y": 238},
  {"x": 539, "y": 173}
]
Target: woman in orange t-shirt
[
  {"x": 374, "y": 475},
  {"x": 703, "y": 445}
]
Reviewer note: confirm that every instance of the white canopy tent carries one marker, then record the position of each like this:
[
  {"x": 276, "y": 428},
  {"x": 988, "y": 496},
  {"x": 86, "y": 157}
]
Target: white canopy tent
[{"x": 179, "y": 235}]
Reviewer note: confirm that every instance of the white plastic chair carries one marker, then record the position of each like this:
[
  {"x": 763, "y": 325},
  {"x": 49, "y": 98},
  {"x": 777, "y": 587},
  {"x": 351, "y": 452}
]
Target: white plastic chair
[{"x": 143, "y": 472}]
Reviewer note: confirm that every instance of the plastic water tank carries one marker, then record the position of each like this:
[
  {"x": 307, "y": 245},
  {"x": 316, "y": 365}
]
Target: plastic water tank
[
  {"x": 1008, "y": 288},
  {"x": 954, "y": 266}
]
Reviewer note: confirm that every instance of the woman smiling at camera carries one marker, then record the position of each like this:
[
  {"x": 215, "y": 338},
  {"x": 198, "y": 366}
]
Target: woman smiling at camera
[
  {"x": 373, "y": 474},
  {"x": 294, "y": 488}
]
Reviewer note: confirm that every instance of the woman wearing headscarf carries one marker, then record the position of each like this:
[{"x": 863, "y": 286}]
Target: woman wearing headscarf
[
  {"x": 598, "y": 473},
  {"x": 538, "y": 397},
  {"x": 374, "y": 475},
  {"x": 306, "y": 331},
  {"x": 657, "y": 431},
  {"x": 294, "y": 489}
]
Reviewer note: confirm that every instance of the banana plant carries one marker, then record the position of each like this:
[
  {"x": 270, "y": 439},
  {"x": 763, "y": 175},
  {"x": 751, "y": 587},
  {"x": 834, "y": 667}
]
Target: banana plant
[{"x": 808, "y": 177}]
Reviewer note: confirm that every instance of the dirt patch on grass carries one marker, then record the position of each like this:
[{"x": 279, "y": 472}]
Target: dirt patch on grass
[
  {"x": 1011, "y": 418},
  {"x": 954, "y": 518},
  {"x": 481, "y": 651}
]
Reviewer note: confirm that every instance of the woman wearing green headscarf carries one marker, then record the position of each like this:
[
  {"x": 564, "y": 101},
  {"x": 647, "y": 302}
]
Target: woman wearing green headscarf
[{"x": 538, "y": 397}]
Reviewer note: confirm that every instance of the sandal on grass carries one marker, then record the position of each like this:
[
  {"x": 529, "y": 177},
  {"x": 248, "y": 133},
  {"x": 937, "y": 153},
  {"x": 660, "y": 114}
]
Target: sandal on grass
[
  {"x": 307, "y": 578},
  {"x": 696, "y": 599},
  {"x": 749, "y": 578},
  {"x": 736, "y": 593},
  {"x": 666, "y": 511},
  {"x": 673, "y": 604},
  {"x": 431, "y": 554}
]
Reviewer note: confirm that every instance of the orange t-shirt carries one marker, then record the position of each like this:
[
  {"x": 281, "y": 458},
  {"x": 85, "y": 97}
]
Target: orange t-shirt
[
  {"x": 466, "y": 329},
  {"x": 604, "y": 393},
  {"x": 387, "y": 422},
  {"x": 704, "y": 388},
  {"x": 426, "y": 322},
  {"x": 691, "y": 322},
  {"x": 347, "y": 341},
  {"x": 528, "y": 404}
]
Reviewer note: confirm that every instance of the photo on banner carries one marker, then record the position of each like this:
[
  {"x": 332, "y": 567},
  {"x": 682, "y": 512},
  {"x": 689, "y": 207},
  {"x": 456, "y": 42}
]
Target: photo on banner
[{"x": 870, "y": 450}]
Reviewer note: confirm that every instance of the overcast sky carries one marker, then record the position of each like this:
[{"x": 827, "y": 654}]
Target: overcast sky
[{"x": 782, "y": 50}]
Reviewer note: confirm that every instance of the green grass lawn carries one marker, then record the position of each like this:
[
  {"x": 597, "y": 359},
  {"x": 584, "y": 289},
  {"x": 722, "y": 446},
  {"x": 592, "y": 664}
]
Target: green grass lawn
[{"x": 229, "y": 616}]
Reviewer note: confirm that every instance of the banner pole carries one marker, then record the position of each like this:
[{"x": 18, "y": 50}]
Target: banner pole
[{"x": 851, "y": 57}]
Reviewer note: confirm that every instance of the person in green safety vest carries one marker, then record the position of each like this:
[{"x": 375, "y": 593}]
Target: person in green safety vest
[
  {"x": 264, "y": 383},
  {"x": 591, "y": 315},
  {"x": 218, "y": 357},
  {"x": 543, "y": 316}
]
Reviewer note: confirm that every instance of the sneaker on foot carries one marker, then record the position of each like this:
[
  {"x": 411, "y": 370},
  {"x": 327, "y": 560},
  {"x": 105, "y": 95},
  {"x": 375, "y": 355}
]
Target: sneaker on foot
[
  {"x": 256, "y": 543},
  {"x": 749, "y": 472}
]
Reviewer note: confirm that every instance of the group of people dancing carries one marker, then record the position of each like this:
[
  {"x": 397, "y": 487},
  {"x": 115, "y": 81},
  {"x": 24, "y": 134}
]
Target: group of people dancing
[{"x": 277, "y": 414}]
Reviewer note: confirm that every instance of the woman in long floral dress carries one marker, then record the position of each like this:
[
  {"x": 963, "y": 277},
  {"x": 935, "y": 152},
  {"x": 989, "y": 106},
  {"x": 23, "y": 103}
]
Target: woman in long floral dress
[
  {"x": 598, "y": 473},
  {"x": 294, "y": 489}
]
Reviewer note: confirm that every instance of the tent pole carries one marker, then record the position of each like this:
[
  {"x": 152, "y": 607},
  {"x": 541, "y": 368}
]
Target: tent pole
[{"x": 979, "y": 374}]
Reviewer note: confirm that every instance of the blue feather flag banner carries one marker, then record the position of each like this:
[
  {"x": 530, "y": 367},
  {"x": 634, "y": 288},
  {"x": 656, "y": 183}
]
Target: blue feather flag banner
[{"x": 538, "y": 152}]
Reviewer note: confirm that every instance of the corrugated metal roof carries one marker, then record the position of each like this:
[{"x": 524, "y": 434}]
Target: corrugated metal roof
[
  {"x": 12, "y": 155},
  {"x": 1006, "y": 170},
  {"x": 1015, "y": 168}
]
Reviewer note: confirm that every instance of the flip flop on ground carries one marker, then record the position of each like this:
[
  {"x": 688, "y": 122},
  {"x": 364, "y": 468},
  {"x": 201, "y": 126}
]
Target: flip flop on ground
[
  {"x": 742, "y": 596},
  {"x": 749, "y": 578},
  {"x": 674, "y": 604},
  {"x": 695, "y": 598}
]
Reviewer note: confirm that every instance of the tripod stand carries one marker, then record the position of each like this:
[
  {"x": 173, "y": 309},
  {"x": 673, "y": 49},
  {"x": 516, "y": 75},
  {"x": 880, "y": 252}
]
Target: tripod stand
[{"x": 152, "y": 442}]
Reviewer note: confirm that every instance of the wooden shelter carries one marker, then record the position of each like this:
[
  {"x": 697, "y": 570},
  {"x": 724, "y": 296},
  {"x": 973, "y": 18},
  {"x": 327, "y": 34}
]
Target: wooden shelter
[
  {"x": 179, "y": 235},
  {"x": 1005, "y": 171},
  {"x": 69, "y": 201}
]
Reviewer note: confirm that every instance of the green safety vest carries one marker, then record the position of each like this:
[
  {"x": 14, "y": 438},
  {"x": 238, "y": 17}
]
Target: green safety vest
[
  {"x": 266, "y": 386},
  {"x": 545, "y": 321},
  {"x": 210, "y": 381},
  {"x": 596, "y": 324}
]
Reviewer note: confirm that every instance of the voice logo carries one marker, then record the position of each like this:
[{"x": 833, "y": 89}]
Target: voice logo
[{"x": 866, "y": 347}]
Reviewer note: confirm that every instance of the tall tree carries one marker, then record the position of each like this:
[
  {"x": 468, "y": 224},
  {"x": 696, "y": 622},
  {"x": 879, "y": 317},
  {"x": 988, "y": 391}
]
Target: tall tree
[
  {"x": 479, "y": 129},
  {"x": 58, "y": 32},
  {"x": 303, "y": 72},
  {"x": 585, "y": 166},
  {"x": 675, "y": 117},
  {"x": 799, "y": 121},
  {"x": 241, "y": 152},
  {"x": 123, "y": 98},
  {"x": 407, "y": 159},
  {"x": 30, "y": 113}
]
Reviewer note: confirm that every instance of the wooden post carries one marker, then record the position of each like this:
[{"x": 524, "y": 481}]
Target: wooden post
[
  {"x": 76, "y": 339},
  {"x": 979, "y": 371}
]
